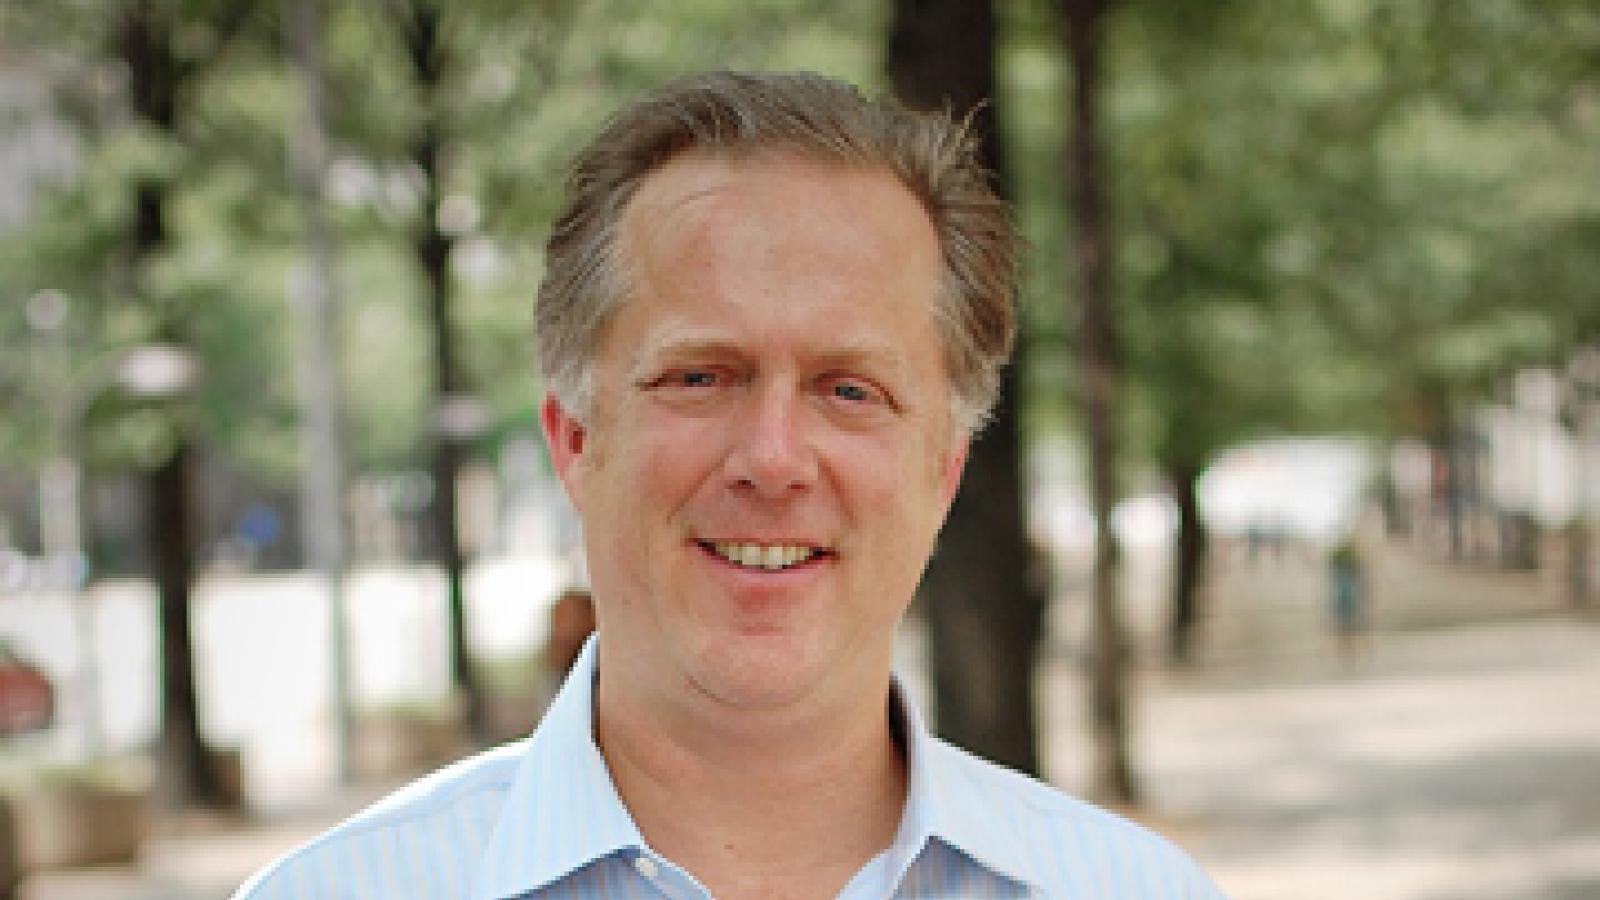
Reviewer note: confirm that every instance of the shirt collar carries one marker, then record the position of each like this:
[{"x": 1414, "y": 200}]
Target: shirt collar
[
  {"x": 945, "y": 802},
  {"x": 563, "y": 812}
]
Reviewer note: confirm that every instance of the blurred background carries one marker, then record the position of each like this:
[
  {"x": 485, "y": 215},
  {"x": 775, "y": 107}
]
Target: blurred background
[{"x": 1282, "y": 541}]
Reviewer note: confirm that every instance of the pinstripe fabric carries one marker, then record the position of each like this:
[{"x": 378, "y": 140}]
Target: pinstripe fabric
[{"x": 541, "y": 819}]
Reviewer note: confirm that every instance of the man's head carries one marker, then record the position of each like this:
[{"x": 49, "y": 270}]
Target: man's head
[
  {"x": 742, "y": 115},
  {"x": 765, "y": 360}
]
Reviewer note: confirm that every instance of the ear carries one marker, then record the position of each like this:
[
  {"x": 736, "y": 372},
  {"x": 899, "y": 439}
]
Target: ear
[
  {"x": 954, "y": 466},
  {"x": 565, "y": 436}
]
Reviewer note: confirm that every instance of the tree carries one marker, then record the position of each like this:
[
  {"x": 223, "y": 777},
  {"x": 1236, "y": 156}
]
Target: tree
[
  {"x": 421, "y": 25},
  {"x": 158, "y": 75},
  {"x": 984, "y": 611},
  {"x": 1301, "y": 200},
  {"x": 442, "y": 45},
  {"x": 324, "y": 482},
  {"x": 112, "y": 245},
  {"x": 181, "y": 224},
  {"x": 1204, "y": 197},
  {"x": 1084, "y": 23},
  {"x": 131, "y": 239}
]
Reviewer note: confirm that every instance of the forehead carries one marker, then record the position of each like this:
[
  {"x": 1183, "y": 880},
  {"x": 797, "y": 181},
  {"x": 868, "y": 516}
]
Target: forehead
[
  {"x": 778, "y": 241},
  {"x": 700, "y": 191}
]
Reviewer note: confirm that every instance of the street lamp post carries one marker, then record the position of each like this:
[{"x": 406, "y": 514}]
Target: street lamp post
[
  {"x": 151, "y": 370},
  {"x": 60, "y": 497}
]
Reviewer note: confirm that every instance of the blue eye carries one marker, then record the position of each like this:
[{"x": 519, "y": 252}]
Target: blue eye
[
  {"x": 688, "y": 378},
  {"x": 855, "y": 393},
  {"x": 692, "y": 388}
]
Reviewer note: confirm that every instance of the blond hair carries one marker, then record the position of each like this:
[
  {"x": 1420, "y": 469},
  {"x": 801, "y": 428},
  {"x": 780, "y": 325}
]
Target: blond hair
[{"x": 738, "y": 115}]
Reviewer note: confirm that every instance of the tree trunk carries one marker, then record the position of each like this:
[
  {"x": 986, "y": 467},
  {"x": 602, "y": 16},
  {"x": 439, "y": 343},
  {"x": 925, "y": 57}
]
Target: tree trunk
[
  {"x": 1188, "y": 563},
  {"x": 187, "y": 775},
  {"x": 322, "y": 432},
  {"x": 432, "y": 247},
  {"x": 1084, "y": 22},
  {"x": 984, "y": 612},
  {"x": 433, "y": 253}
]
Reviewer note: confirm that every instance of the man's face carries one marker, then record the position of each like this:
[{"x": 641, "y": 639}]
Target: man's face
[{"x": 770, "y": 451}]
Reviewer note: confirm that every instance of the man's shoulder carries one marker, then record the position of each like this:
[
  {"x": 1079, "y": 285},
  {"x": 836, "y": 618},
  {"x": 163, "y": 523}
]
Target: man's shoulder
[
  {"x": 1023, "y": 797},
  {"x": 423, "y": 840},
  {"x": 1071, "y": 845}
]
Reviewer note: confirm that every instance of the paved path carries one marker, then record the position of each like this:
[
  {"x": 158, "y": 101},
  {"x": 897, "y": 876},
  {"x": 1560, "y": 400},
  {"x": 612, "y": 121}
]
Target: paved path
[
  {"x": 205, "y": 863},
  {"x": 1453, "y": 765},
  {"x": 1457, "y": 759}
]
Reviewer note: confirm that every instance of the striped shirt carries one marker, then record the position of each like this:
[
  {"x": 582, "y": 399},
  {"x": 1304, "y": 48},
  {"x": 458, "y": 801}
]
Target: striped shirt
[{"x": 541, "y": 819}]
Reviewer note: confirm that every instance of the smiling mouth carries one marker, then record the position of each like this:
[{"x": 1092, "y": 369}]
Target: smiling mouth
[{"x": 768, "y": 557}]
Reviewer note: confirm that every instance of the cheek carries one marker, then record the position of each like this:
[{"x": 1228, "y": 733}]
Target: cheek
[
  {"x": 681, "y": 450},
  {"x": 652, "y": 468},
  {"x": 925, "y": 484},
  {"x": 894, "y": 480}
]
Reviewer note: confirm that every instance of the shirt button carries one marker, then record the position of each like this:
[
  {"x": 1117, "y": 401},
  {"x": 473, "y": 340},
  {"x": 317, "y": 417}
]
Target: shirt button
[{"x": 646, "y": 867}]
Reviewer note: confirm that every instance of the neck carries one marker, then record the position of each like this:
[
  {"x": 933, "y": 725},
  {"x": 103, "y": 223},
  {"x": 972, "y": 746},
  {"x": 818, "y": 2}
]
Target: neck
[{"x": 774, "y": 803}]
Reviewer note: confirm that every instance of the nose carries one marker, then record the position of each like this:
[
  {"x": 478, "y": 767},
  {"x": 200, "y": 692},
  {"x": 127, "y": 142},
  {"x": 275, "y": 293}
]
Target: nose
[{"x": 771, "y": 454}]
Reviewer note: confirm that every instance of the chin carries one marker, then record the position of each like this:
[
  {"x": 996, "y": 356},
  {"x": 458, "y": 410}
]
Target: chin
[{"x": 758, "y": 672}]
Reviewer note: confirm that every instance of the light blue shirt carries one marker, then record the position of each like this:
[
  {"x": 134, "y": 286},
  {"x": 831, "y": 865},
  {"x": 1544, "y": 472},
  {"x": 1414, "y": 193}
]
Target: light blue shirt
[{"x": 541, "y": 819}]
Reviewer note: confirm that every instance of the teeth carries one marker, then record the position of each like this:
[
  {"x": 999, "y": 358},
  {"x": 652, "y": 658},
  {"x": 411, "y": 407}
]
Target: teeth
[{"x": 776, "y": 556}]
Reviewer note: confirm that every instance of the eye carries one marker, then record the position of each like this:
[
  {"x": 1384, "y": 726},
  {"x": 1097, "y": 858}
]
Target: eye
[
  {"x": 689, "y": 378},
  {"x": 695, "y": 378},
  {"x": 854, "y": 392}
]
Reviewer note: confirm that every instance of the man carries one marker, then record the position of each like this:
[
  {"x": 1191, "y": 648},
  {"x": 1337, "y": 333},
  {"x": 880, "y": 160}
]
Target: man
[{"x": 774, "y": 315}]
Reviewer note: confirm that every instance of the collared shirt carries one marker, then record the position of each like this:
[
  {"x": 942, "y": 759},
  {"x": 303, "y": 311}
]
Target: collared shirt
[{"x": 541, "y": 818}]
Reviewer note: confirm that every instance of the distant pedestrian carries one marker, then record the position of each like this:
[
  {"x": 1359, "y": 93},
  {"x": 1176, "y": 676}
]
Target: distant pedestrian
[
  {"x": 571, "y": 623},
  {"x": 1347, "y": 597}
]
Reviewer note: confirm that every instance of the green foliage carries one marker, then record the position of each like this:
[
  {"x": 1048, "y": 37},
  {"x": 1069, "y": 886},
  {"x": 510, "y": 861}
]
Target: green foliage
[
  {"x": 522, "y": 85},
  {"x": 1331, "y": 213},
  {"x": 1332, "y": 210},
  {"x": 1031, "y": 79}
]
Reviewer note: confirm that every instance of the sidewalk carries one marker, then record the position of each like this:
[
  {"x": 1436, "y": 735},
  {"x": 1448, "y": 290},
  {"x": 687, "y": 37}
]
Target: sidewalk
[
  {"x": 1461, "y": 764},
  {"x": 1456, "y": 758},
  {"x": 204, "y": 863}
]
